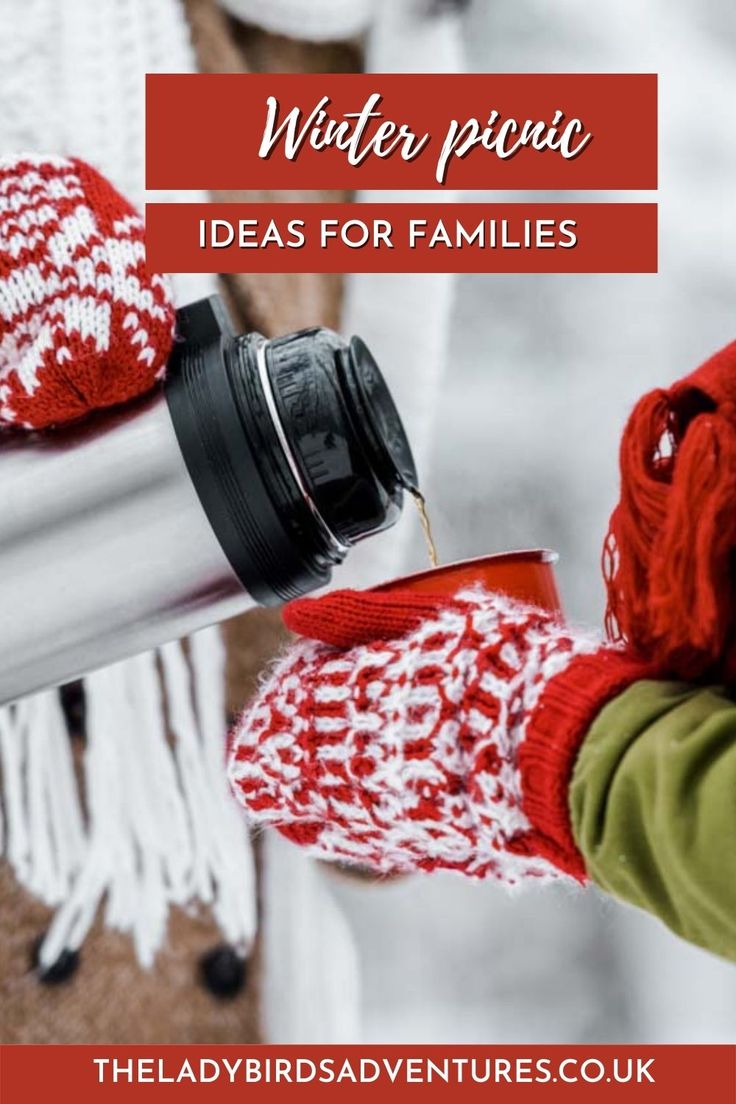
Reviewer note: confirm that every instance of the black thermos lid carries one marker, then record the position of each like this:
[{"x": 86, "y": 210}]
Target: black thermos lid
[{"x": 294, "y": 445}]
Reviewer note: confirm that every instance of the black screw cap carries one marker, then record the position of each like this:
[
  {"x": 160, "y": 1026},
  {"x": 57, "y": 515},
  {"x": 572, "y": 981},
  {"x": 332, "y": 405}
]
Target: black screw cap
[
  {"x": 294, "y": 446},
  {"x": 343, "y": 429}
]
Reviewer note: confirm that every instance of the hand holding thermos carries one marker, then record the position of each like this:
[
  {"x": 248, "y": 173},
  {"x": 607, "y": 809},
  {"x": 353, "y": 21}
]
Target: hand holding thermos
[{"x": 242, "y": 479}]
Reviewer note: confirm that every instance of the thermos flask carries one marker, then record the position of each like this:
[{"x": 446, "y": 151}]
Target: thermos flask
[{"x": 242, "y": 482}]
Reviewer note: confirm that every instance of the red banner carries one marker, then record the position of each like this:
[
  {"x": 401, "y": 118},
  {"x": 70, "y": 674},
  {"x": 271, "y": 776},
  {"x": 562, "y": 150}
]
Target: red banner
[
  {"x": 402, "y": 237},
  {"x": 657, "y": 1075},
  {"x": 465, "y": 131}
]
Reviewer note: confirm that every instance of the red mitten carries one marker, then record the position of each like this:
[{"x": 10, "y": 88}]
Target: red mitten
[
  {"x": 82, "y": 324},
  {"x": 419, "y": 733}
]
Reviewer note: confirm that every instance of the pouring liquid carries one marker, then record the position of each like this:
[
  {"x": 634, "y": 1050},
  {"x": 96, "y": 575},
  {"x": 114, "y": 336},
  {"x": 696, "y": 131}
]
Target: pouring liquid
[{"x": 421, "y": 506}]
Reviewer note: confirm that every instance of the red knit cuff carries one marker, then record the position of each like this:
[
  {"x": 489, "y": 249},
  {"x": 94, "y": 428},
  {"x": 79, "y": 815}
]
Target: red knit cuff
[{"x": 568, "y": 706}]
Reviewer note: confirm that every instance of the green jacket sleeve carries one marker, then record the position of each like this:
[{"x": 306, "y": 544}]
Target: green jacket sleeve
[{"x": 653, "y": 807}]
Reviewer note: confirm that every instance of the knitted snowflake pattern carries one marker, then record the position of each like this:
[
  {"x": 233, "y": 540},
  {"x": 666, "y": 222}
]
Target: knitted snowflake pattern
[
  {"x": 403, "y": 754},
  {"x": 82, "y": 324}
]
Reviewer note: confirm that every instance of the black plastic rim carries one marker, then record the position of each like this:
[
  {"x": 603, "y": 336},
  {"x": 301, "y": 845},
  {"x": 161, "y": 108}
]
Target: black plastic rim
[{"x": 293, "y": 457}]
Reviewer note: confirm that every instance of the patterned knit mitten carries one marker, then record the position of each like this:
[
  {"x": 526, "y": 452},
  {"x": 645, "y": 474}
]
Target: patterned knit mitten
[
  {"x": 82, "y": 324},
  {"x": 418, "y": 733}
]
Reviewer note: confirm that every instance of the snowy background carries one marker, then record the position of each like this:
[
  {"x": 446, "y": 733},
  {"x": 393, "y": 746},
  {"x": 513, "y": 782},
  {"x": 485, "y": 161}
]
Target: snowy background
[{"x": 538, "y": 375}]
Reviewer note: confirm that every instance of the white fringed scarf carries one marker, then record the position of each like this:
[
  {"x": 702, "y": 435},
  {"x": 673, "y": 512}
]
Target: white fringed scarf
[{"x": 151, "y": 824}]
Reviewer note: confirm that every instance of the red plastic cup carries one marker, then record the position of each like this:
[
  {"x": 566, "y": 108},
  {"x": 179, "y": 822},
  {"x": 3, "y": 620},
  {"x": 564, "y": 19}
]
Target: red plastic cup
[{"x": 526, "y": 575}]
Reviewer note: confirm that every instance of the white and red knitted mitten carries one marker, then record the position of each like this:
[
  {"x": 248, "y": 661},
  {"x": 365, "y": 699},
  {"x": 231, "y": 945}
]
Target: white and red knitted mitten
[
  {"x": 82, "y": 324},
  {"x": 414, "y": 733}
]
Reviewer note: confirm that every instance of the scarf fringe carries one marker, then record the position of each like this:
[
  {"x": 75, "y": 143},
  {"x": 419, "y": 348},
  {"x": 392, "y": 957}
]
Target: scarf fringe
[{"x": 151, "y": 825}]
